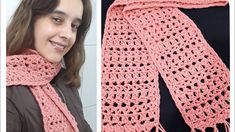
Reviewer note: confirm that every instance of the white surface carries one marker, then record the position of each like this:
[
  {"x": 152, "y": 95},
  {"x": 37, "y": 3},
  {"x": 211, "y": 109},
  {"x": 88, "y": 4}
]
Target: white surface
[
  {"x": 232, "y": 71},
  {"x": 91, "y": 35},
  {"x": 11, "y": 5},
  {"x": 88, "y": 86},
  {"x": 3, "y": 68}
]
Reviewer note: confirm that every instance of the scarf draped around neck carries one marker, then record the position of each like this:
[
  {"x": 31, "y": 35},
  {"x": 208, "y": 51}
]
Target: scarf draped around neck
[{"x": 32, "y": 70}]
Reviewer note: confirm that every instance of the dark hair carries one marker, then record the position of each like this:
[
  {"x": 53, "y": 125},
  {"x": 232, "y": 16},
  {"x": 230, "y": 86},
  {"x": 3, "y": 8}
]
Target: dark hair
[{"x": 20, "y": 34}]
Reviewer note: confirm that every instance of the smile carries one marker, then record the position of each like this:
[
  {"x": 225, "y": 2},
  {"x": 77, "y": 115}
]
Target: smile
[{"x": 58, "y": 46}]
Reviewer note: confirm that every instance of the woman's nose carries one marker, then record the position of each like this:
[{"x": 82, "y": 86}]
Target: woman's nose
[{"x": 66, "y": 32}]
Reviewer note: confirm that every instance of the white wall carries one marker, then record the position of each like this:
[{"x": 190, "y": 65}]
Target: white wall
[{"x": 88, "y": 87}]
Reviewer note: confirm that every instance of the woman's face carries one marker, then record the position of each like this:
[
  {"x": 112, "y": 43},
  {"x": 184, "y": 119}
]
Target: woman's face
[{"x": 55, "y": 33}]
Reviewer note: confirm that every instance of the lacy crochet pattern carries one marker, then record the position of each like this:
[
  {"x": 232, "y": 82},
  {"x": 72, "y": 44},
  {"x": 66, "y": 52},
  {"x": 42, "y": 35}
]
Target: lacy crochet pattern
[
  {"x": 145, "y": 38},
  {"x": 35, "y": 72}
]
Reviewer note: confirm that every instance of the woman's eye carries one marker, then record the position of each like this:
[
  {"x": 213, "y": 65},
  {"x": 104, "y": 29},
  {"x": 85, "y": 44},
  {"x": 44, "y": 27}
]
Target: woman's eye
[
  {"x": 75, "y": 28},
  {"x": 57, "y": 20}
]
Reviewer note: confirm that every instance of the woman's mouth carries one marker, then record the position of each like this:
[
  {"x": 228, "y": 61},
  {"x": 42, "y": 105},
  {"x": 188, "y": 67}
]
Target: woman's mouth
[{"x": 58, "y": 46}]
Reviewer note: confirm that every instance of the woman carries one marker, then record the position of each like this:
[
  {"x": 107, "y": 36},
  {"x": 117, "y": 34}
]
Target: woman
[{"x": 42, "y": 96}]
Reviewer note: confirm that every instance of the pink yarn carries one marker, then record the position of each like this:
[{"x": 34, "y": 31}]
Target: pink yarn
[
  {"x": 143, "y": 38},
  {"x": 35, "y": 72}
]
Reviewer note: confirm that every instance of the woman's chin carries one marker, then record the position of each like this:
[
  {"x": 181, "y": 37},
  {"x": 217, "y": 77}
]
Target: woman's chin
[{"x": 54, "y": 59}]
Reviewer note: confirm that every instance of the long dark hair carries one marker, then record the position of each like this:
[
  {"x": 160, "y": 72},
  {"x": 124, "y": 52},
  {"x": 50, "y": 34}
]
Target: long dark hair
[{"x": 21, "y": 28}]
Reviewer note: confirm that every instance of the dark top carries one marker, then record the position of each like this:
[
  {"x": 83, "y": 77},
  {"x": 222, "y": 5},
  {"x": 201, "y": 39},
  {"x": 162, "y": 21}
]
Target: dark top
[
  {"x": 23, "y": 112},
  {"x": 214, "y": 25}
]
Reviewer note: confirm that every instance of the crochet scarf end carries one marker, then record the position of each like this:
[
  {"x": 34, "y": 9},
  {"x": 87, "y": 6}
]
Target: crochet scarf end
[{"x": 215, "y": 129}]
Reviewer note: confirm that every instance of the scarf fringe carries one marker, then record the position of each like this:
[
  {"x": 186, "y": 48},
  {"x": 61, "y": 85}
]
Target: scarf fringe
[
  {"x": 160, "y": 128},
  {"x": 215, "y": 129},
  {"x": 227, "y": 126},
  {"x": 129, "y": 128}
]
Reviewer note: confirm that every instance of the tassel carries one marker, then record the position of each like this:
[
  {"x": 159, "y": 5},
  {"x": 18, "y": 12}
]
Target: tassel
[
  {"x": 193, "y": 130},
  {"x": 226, "y": 126},
  {"x": 161, "y": 128},
  {"x": 216, "y": 129}
]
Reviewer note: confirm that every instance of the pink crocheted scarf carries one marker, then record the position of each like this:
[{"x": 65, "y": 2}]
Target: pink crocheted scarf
[
  {"x": 145, "y": 38},
  {"x": 35, "y": 72}
]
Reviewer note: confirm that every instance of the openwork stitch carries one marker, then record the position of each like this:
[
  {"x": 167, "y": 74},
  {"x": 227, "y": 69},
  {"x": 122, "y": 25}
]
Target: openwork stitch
[
  {"x": 35, "y": 72},
  {"x": 145, "y": 38}
]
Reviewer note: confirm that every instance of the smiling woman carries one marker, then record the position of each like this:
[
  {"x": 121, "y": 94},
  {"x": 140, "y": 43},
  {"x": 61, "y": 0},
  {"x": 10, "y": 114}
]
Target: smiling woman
[
  {"x": 56, "y": 39},
  {"x": 42, "y": 96}
]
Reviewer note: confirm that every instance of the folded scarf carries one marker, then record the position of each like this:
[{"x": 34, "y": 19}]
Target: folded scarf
[
  {"x": 35, "y": 72},
  {"x": 145, "y": 38}
]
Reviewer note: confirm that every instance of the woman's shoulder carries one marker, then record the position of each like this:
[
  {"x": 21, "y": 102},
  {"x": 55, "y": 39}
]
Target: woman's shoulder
[
  {"x": 21, "y": 97},
  {"x": 17, "y": 91},
  {"x": 22, "y": 107}
]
